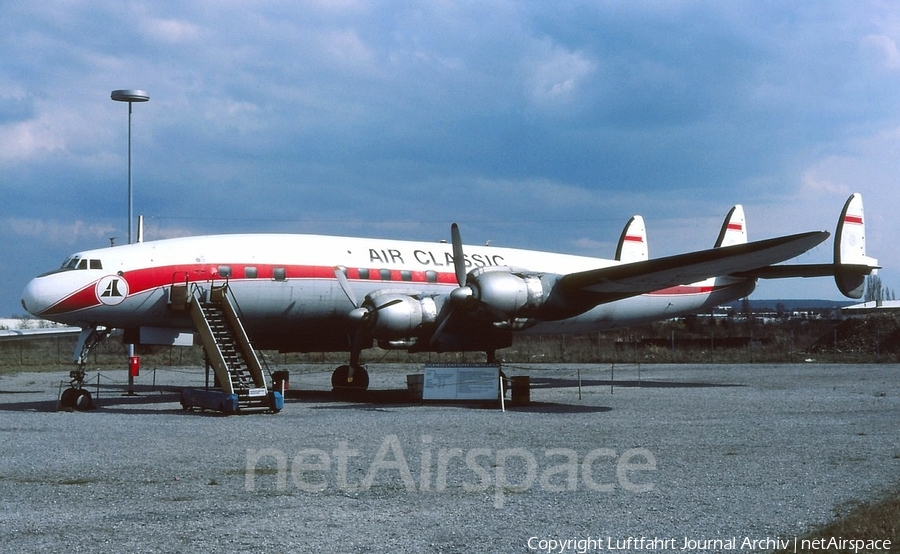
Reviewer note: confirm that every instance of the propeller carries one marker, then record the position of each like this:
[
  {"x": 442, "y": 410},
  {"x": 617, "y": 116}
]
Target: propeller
[
  {"x": 363, "y": 315},
  {"x": 458, "y": 295},
  {"x": 359, "y": 312},
  {"x": 468, "y": 294}
]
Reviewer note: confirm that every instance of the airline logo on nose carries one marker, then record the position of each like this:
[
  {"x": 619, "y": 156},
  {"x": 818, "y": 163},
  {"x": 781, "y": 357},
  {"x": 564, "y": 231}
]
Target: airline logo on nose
[{"x": 112, "y": 290}]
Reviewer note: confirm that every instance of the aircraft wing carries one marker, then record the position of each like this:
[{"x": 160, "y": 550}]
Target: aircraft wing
[
  {"x": 632, "y": 279},
  {"x": 41, "y": 333},
  {"x": 788, "y": 271},
  {"x": 484, "y": 301}
]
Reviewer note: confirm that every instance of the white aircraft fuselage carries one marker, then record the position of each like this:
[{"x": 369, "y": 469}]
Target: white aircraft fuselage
[
  {"x": 313, "y": 293},
  {"x": 290, "y": 299}
]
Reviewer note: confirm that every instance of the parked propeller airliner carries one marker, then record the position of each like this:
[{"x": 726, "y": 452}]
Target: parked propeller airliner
[{"x": 325, "y": 293}]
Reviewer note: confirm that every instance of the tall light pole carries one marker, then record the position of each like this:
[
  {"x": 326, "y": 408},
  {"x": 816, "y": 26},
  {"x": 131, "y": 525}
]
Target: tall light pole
[{"x": 129, "y": 96}]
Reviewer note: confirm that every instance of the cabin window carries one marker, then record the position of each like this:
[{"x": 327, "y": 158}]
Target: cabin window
[
  {"x": 431, "y": 276},
  {"x": 279, "y": 274},
  {"x": 225, "y": 271},
  {"x": 385, "y": 274},
  {"x": 251, "y": 272},
  {"x": 406, "y": 275},
  {"x": 363, "y": 273}
]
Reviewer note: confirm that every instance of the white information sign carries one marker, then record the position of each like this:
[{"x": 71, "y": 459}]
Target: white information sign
[{"x": 461, "y": 382}]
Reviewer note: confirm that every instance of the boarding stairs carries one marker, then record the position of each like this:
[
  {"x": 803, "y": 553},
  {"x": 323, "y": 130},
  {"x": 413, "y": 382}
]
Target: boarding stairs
[{"x": 237, "y": 368}]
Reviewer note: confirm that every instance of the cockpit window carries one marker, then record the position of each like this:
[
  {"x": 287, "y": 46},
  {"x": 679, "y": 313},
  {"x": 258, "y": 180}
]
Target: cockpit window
[{"x": 77, "y": 262}]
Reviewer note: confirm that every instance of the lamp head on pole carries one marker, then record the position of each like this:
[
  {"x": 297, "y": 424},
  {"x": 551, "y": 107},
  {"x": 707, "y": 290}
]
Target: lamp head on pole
[{"x": 129, "y": 96}]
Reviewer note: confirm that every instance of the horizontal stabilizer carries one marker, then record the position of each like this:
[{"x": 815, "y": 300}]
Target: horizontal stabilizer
[
  {"x": 851, "y": 264},
  {"x": 625, "y": 280}
]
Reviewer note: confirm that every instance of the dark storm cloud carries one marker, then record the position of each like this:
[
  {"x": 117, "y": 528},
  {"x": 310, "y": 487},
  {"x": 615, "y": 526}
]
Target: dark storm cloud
[{"x": 535, "y": 124}]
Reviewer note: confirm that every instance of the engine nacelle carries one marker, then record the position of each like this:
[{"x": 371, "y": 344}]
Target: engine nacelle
[
  {"x": 512, "y": 292},
  {"x": 398, "y": 315}
]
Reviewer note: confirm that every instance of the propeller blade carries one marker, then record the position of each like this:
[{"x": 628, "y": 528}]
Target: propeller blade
[
  {"x": 447, "y": 312},
  {"x": 459, "y": 260},
  {"x": 345, "y": 285}
]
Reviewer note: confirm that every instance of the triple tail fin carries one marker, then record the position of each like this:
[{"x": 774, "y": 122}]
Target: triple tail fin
[
  {"x": 734, "y": 228},
  {"x": 632, "y": 245}
]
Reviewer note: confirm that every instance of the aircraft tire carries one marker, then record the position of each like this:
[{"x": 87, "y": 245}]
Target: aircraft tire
[
  {"x": 67, "y": 400},
  {"x": 83, "y": 400},
  {"x": 340, "y": 383}
]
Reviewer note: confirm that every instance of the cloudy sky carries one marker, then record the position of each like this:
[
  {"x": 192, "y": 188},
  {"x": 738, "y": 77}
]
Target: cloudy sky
[{"x": 533, "y": 124}]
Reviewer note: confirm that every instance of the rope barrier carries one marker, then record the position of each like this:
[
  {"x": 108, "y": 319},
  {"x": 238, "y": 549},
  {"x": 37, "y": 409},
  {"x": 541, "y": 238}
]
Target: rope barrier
[{"x": 316, "y": 377}]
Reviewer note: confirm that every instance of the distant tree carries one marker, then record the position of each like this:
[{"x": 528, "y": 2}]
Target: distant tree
[
  {"x": 876, "y": 291},
  {"x": 780, "y": 310}
]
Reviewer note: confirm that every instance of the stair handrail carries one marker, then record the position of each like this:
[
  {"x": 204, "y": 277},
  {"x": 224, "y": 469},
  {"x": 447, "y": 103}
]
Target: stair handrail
[
  {"x": 216, "y": 358},
  {"x": 197, "y": 291},
  {"x": 237, "y": 308}
]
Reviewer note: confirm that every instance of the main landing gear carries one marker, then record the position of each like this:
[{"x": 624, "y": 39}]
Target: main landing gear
[{"x": 350, "y": 378}]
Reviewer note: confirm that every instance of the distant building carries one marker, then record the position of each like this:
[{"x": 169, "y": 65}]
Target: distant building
[{"x": 871, "y": 307}]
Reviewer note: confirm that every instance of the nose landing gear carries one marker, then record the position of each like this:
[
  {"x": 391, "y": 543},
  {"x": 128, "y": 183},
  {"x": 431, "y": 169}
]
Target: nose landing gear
[{"x": 76, "y": 397}]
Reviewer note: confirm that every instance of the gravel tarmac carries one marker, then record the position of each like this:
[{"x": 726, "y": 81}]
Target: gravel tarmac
[{"x": 660, "y": 452}]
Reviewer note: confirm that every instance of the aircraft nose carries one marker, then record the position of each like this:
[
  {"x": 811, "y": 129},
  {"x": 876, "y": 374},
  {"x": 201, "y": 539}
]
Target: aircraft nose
[{"x": 36, "y": 297}]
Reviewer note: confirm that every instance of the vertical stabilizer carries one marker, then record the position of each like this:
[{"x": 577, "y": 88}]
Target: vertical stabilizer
[
  {"x": 633, "y": 242},
  {"x": 734, "y": 228},
  {"x": 851, "y": 264}
]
